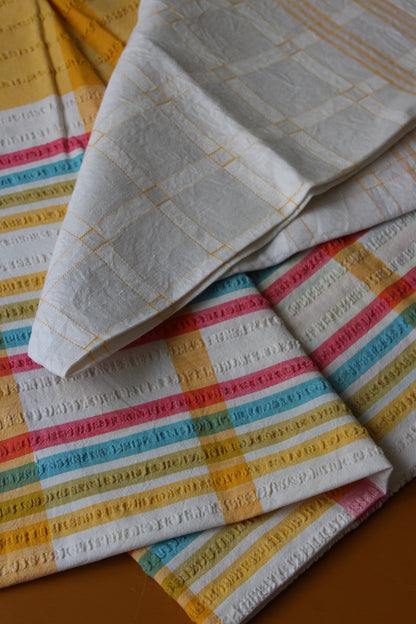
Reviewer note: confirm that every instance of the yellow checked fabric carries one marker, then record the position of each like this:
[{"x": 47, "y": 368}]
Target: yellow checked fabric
[{"x": 233, "y": 443}]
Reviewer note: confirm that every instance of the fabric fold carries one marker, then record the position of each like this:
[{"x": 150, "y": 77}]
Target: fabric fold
[
  {"x": 190, "y": 436},
  {"x": 228, "y": 574},
  {"x": 229, "y": 446},
  {"x": 218, "y": 126}
]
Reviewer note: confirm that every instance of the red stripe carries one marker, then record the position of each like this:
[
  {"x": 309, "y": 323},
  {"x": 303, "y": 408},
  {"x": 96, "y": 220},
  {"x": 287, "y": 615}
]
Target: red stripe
[
  {"x": 231, "y": 309},
  {"x": 192, "y": 321},
  {"x": 40, "y": 152},
  {"x": 347, "y": 335},
  {"x": 336, "y": 245},
  {"x": 5, "y": 367},
  {"x": 295, "y": 276},
  {"x": 365, "y": 320},
  {"x": 174, "y": 326},
  {"x": 361, "y": 498},
  {"x": 17, "y": 364},
  {"x": 248, "y": 384},
  {"x": 155, "y": 410},
  {"x": 15, "y": 447},
  {"x": 305, "y": 268}
]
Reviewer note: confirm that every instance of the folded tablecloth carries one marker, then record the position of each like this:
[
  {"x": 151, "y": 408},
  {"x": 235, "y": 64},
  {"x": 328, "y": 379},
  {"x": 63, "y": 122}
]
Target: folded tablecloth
[{"x": 226, "y": 440}]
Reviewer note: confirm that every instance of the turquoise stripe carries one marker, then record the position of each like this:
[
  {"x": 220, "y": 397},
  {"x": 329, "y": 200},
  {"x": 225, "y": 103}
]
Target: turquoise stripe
[
  {"x": 225, "y": 286},
  {"x": 161, "y": 553},
  {"x": 61, "y": 167},
  {"x": 15, "y": 337},
  {"x": 18, "y": 477},
  {"x": 260, "y": 275},
  {"x": 372, "y": 352},
  {"x": 166, "y": 435},
  {"x": 150, "y": 563}
]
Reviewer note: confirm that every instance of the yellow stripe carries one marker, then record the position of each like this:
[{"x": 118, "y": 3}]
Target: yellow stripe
[
  {"x": 357, "y": 57},
  {"x": 393, "y": 414},
  {"x": 116, "y": 509},
  {"x": 166, "y": 465},
  {"x": 22, "y": 284},
  {"x": 378, "y": 9},
  {"x": 255, "y": 557},
  {"x": 207, "y": 556},
  {"x": 309, "y": 449},
  {"x": 26, "y": 537},
  {"x": 372, "y": 271},
  {"x": 218, "y": 481},
  {"x": 32, "y": 218},
  {"x": 347, "y": 38},
  {"x": 89, "y": 27},
  {"x": 189, "y": 355},
  {"x": 385, "y": 381},
  {"x": 21, "y": 545},
  {"x": 33, "y": 72},
  {"x": 23, "y": 565}
]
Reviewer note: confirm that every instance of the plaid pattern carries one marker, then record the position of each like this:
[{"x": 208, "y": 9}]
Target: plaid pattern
[
  {"x": 219, "y": 124},
  {"x": 233, "y": 443},
  {"x": 363, "y": 341}
]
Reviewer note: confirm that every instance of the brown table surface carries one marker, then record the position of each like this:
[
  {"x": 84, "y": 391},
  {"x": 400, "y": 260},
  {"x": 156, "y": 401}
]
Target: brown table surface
[{"x": 368, "y": 577}]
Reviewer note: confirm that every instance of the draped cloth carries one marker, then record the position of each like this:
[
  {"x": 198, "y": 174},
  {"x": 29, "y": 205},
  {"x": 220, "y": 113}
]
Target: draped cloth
[{"x": 220, "y": 377}]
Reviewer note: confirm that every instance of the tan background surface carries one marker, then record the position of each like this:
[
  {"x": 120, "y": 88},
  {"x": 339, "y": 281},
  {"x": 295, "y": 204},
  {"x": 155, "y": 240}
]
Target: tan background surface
[{"x": 368, "y": 577}]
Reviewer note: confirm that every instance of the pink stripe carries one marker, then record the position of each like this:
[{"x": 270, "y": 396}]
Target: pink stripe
[
  {"x": 362, "y": 322},
  {"x": 232, "y": 309},
  {"x": 347, "y": 335},
  {"x": 267, "y": 377},
  {"x": 106, "y": 423},
  {"x": 361, "y": 498},
  {"x": 305, "y": 268},
  {"x": 39, "y": 152},
  {"x": 184, "y": 323},
  {"x": 295, "y": 276},
  {"x": 169, "y": 406},
  {"x": 21, "y": 363},
  {"x": 173, "y": 326}
]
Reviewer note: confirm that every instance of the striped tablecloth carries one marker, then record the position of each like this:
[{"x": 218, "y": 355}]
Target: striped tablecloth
[{"x": 227, "y": 316}]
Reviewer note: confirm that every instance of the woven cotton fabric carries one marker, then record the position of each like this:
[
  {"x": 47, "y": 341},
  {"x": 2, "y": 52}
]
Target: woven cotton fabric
[
  {"x": 248, "y": 422},
  {"x": 220, "y": 122},
  {"x": 362, "y": 339}
]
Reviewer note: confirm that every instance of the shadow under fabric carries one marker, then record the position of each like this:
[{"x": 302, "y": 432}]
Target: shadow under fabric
[{"x": 221, "y": 371}]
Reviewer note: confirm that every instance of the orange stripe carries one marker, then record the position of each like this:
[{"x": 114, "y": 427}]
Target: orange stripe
[
  {"x": 335, "y": 30},
  {"x": 345, "y": 50},
  {"x": 375, "y": 274},
  {"x": 377, "y": 10},
  {"x": 190, "y": 358},
  {"x": 29, "y": 546}
]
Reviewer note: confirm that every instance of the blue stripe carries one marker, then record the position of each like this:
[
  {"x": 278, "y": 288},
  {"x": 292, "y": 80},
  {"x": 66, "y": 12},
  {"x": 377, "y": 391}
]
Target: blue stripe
[
  {"x": 163, "y": 436},
  {"x": 161, "y": 553},
  {"x": 225, "y": 286},
  {"x": 15, "y": 337},
  {"x": 69, "y": 165},
  {"x": 18, "y": 477},
  {"x": 371, "y": 353},
  {"x": 260, "y": 275}
]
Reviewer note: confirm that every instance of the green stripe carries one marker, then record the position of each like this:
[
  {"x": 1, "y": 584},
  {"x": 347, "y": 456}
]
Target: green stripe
[
  {"x": 18, "y": 311},
  {"x": 40, "y": 193}
]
